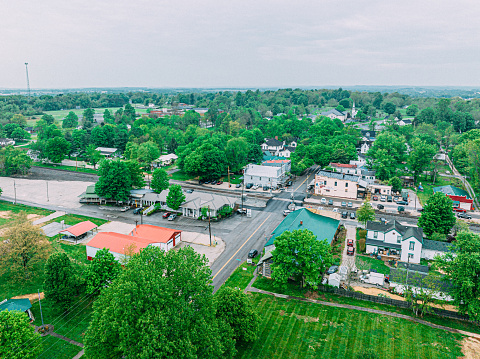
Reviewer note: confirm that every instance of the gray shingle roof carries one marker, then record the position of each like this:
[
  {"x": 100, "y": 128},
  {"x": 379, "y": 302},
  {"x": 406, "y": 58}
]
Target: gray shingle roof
[
  {"x": 338, "y": 175},
  {"x": 374, "y": 242},
  {"x": 405, "y": 231},
  {"x": 273, "y": 142},
  {"x": 399, "y": 275},
  {"x": 333, "y": 111},
  {"x": 436, "y": 245}
]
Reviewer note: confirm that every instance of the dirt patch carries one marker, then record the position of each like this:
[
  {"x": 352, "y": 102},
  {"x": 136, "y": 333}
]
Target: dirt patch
[
  {"x": 282, "y": 313},
  {"x": 312, "y": 295},
  {"x": 306, "y": 319},
  {"x": 32, "y": 217},
  {"x": 470, "y": 347},
  {"x": 5, "y": 214},
  {"x": 33, "y": 297}
]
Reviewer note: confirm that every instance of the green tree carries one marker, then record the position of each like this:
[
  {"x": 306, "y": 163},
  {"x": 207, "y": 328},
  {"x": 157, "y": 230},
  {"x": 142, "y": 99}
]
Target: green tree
[
  {"x": 114, "y": 181},
  {"x": 93, "y": 155},
  {"x": 235, "y": 308},
  {"x": 159, "y": 180},
  {"x": 420, "y": 158},
  {"x": 18, "y": 339},
  {"x": 23, "y": 255},
  {"x": 299, "y": 254},
  {"x": 207, "y": 161},
  {"x": 437, "y": 215},
  {"x": 366, "y": 213},
  {"x": 136, "y": 174},
  {"x": 14, "y": 161},
  {"x": 20, "y": 134},
  {"x": 163, "y": 295},
  {"x": 101, "y": 271},
  {"x": 389, "y": 108},
  {"x": 19, "y": 119},
  {"x": 412, "y": 110},
  {"x": 237, "y": 153},
  {"x": 387, "y": 154},
  {"x": 70, "y": 121},
  {"x": 462, "y": 269},
  {"x": 56, "y": 149},
  {"x": 175, "y": 197},
  {"x": 49, "y": 119},
  {"x": 396, "y": 184},
  {"x": 59, "y": 285},
  {"x": 147, "y": 153}
]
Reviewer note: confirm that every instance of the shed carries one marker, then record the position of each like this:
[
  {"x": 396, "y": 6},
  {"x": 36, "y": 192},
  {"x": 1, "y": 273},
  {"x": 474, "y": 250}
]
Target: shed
[
  {"x": 343, "y": 272},
  {"x": 334, "y": 280},
  {"x": 22, "y": 305},
  {"x": 79, "y": 230}
]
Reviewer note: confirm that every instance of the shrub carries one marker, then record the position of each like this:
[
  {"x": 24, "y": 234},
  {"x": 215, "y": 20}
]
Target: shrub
[{"x": 361, "y": 245}]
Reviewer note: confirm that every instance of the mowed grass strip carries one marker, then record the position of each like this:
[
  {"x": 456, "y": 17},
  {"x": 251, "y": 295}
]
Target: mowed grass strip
[
  {"x": 55, "y": 348},
  {"x": 295, "y": 329}
]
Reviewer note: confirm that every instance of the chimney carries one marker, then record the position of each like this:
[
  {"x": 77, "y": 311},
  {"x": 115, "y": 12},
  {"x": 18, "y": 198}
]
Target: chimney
[{"x": 276, "y": 137}]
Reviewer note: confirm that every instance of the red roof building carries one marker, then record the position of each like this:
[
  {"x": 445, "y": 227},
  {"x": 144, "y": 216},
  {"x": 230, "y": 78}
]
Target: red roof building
[{"x": 79, "y": 230}]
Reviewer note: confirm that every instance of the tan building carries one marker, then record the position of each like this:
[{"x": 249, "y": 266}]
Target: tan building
[{"x": 334, "y": 184}]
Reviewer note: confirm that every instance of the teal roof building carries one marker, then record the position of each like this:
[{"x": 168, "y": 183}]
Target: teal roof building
[{"x": 322, "y": 227}]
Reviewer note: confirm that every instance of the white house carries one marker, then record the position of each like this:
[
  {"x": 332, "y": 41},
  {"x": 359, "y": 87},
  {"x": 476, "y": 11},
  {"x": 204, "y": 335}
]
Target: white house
[
  {"x": 344, "y": 168},
  {"x": 279, "y": 163},
  {"x": 334, "y": 184},
  {"x": 165, "y": 160},
  {"x": 404, "y": 122},
  {"x": 366, "y": 141},
  {"x": 334, "y": 113},
  {"x": 396, "y": 240},
  {"x": 279, "y": 148},
  {"x": 380, "y": 189},
  {"x": 265, "y": 175}
]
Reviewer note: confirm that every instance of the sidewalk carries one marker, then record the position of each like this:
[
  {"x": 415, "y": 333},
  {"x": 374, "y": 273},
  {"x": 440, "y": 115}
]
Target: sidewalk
[
  {"x": 347, "y": 260},
  {"x": 49, "y": 217}
]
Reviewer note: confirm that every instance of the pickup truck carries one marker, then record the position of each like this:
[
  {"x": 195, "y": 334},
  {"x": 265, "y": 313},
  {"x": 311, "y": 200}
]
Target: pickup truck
[{"x": 373, "y": 278}]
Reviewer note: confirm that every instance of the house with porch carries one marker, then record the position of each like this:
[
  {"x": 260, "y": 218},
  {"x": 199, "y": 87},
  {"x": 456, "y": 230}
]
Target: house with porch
[
  {"x": 393, "y": 239},
  {"x": 165, "y": 160}
]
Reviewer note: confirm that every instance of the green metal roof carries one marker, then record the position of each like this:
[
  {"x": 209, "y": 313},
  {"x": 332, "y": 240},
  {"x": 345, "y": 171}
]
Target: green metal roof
[
  {"x": 452, "y": 191},
  {"x": 16, "y": 304},
  {"x": 322, "y": 227}
]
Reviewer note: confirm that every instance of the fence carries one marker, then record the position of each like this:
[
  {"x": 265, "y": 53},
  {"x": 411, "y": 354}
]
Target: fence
[{"x": 389, "y": 301}]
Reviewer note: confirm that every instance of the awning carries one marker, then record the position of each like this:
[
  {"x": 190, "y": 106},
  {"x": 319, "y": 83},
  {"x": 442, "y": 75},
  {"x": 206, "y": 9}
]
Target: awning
[{"x": 79, "y": 228}]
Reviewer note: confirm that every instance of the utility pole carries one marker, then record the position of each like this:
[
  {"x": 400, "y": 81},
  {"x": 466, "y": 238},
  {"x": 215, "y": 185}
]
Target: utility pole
[
  {"x": 243, "y": 185},
  {"x": 15, "y": 191},
  {"x": 40, "y": 304},
  {"x": 28, "y": 82},
  {"x": 209, "y": 227},
  {"x": 48, "y": 200},
  {"x": 228, "y": 170}
]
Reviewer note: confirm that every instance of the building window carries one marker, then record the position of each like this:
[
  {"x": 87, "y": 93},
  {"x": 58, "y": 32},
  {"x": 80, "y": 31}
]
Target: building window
[
  {"x": 412, "y": 246},
  {"x": 375, "y": 234},
  {"x": 325, "y": 183},
  {"x": 410, "y": 255},
  {"x": 260, "y": 178},
  {"x": 399, "y": 239},
  {"x": 335, "y": 183},
  {"x": 346, "y": 184}
]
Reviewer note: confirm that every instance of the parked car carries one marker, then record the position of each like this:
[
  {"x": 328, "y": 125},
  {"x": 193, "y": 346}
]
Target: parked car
[
  {"x": 253, "y": 253},
  {"x": 332, "y": 269},
  {"x": 323, "y": 201},
  {"x": 375, "y": 198},
  {"x": 373, "y": 278},
  {"x": 172, "y": 217},
  {"x": 402, "y": 203},
  {"x": 242, "y": 210},
  {"x": 189, "y": 191},
  {"x": 289, "y": 183},
  {"x": 266, "y": 188},
  {"x": 166, "y": 214},
  {"x": 350, "y": 242},
  {"x": 458, "y": 209},
  {"x": 380, "y": 206},
  {"x": 286, "y": 212},
  {"x": 401, "y": 209},
  {"x": 383, "y": 198},
  {"x": 249, "y": 185},
  {"x": 255, "y": 186},
  {"x": 344, "y": 204},
  {"x": 352, "y": 215},
  {"x": 350, "y": 251},
  {"x": 330, "y": 202},
  {"x": 396, "y": 199},
  {"x": 124, "y": 209},
  {"x": 350, "y": 204},
  {"x": 238, "y": 185},
  {"x": 138, "y": 210},
  {"x": 345, "y": 214},
  {"x": 464, "y": 215},
  {"x": 219, "y": 182},
  {"x": 389, "y": 199}
]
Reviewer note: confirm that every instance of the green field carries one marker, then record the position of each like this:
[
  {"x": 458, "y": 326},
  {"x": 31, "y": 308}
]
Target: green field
[
  {"x": 67, "y": 168},
  {"x": 295, "y": 329},
  {"x": 440, "y": 181},
  {"x": 57, "y": 348},
  {"x": 72, "y": 219},
  {"x": 368, "y": 263},
  {"x": 241, "y": 277}
]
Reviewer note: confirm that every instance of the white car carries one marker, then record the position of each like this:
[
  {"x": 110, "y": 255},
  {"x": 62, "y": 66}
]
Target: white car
[
  {"x": 383, "y": 198},
  {"x": 323, "y": 201}
]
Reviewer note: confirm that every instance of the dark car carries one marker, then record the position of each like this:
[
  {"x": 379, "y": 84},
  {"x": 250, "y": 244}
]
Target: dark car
[
  {"x": 380, "y": 206},
  {"x": 289, "y": 183},
  {"x": 375, "y": 198},
  {"x": 401, "y": 209},
  {"x": 249, "y": 185},
  {"x": 332, "y": 269},
  {"x": 344, "y": 204},
  {"x": 330, "y": 202},
  {"x": 402, "y": 203},
  {"x": 464, "y": 215},
  {"x": 350, "y": 251},
  {"x": 352, "y": 215},
  {"x": 253, "y": 253},
  {"x": 138, "y": 210},
  {"x": 389, "y": 199},
  {"x": 344, "y": 214},
  {"x": 266, "y": 188}
]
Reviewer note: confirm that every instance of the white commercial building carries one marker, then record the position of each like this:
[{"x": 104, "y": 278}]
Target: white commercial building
[{"x": 265, "y": 175}]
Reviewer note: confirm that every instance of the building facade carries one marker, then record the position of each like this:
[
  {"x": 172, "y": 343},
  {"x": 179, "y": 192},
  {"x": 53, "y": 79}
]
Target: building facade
[{"x": 333, "y": 184}]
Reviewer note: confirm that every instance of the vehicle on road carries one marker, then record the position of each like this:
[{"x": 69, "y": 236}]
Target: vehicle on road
[
  {"x": 401, "y": 209},
  {"x": 266, "y": 188},
  {"x": 344, "y": 204},
  {"x": 289, "y": 183},
  {"x": 464, "y": 215},
  {"x": 402, "y": 203},
  {"x": 172, "y": 217},
  {"x": 323, "y": 201},
  {"x": 352, "y": 215},
  {"x": 375, "y": 198},
  {"x": 332, "y": 269},
  {"x": 350, "y": 251},
  {"x": 253, "y": 253},
  {"x": 189, "y": 191},
  {"x": 286, "y": 212},
  {"x": 249, "y": 185},
  {"x": 138, "y": 210},
  {"x": 124, "y": 209},
  {"x": 166, "y": 214},
  {"x": 350, "y": 204},
  {"x": 219, "y": 182},
  {"x": 383, "y": 198},
  {"x": 373, "y": 278},
  {"x": 330, "y": 202},
  {"x": 242, "y": 210},
  {"x": 350, "y": 242},
  {"x": 380, "y": 206},
  {"x": 345, "y": 214},
  {"x": 238, "y": 185}
]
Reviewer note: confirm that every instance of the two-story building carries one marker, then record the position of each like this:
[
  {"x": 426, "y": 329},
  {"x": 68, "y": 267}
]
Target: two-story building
[
  {"x": 287, "y": 164},
  {"x": 279, "y": 148},
  {"x": 334, "y": 113},
  {"x": 344, "y": 168},
  {"x": 395, "y": 240},
  {"x": 366, "y": 141},
  {"x": 265, "y": 175},
  {"x": 334, "y": 184}
]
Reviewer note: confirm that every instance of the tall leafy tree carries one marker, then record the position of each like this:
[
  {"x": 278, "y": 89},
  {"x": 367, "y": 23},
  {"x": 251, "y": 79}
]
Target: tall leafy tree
[
  {"x": 136, "y": 174},
  {"x": 437, "y": 215},
  {"x": 115, "y": 181},
  {"x": 462, "y": 268},
  {"x": 102, "y": 270},
  {"x": 299, "y": 254},
  {"x": 56, "y": 149},
  {"x": 14, "y": 161},
  {"x": 93, "y": 155},
  {"x": 70, "y": 121},
  {"x": 420, "y": 158},
  {"x": 389, "y": 107},
  {"x": 175, "y": 197},
  {"x": 159, "y": 180},
  {"x": 366, "y": 213},
  {"x": 49, "y": 119},
  {"x": 163, "y": 308},
  {"x": 237, "y": 153},
  {"x": 18, "y": 339},
  {"x": 59, "y": 285},
  {"x": 396, "y": 184}
]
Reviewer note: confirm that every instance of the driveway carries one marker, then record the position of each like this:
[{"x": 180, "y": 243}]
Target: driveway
[{"x": 349, "y": 261}]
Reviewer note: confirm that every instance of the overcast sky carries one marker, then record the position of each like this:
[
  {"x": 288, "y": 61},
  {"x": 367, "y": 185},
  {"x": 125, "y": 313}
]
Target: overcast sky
[{"x": 239, "y": 43}]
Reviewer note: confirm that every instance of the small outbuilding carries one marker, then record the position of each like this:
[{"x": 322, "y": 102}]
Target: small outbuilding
[
  {"x": 334, "y": 280},
  {"x": 78, "y": 231},
  {"x": 22, "y": 305}
]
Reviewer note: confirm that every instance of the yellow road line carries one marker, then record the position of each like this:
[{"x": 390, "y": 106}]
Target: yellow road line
[
  {"x": 303, "y": 182},
  {"x": 234, "y": 254}
]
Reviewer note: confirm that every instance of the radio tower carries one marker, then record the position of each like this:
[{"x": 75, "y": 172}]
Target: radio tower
[{"x": 28, "y": 82}]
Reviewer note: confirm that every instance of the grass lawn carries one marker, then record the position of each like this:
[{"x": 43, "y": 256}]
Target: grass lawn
[
  {"x": 440, "y": 181},
  {"x": 180, "y": 176},
  {"x": 55, "y": 348},
  {"x": 364, "y": 262},
  {"x": 295, "y": 329},
  {"x": 241, "y": 277},
  {"x": 15, "y": 208},
  {"x": 337, "y": 246},
  {"x": 234, "y": 179},
  {"x": 72, "y": 219},
  {"x": 293, "y": 289},
  {"x": 72, "y": 325},
  {"x": 67, "y": 168}
]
